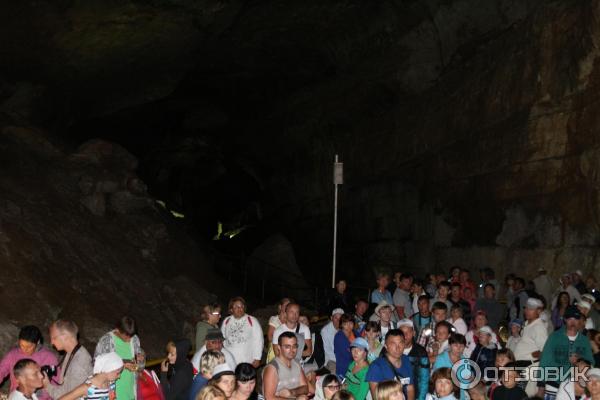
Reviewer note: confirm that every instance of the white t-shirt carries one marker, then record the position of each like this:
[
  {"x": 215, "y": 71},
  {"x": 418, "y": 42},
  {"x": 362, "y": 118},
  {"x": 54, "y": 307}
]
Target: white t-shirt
[
  {"x": 302, "y": 330},
  {"x": 16, "y": 395},
  {"x": 533, "y": 338}
]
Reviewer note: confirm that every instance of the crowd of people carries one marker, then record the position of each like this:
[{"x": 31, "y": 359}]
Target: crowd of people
[{"x": 410, "y": 339}]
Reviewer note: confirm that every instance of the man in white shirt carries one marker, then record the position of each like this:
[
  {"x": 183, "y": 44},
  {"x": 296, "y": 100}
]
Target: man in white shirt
[
  {"x": 291, "y": 324},
  {"x": 214, "y": 341},
  {"x": 327, "y": 334},
  {"x": 243, "y": 334},
  {"x": 29, "y": 379},
  {"x": 534, "y": 333}
]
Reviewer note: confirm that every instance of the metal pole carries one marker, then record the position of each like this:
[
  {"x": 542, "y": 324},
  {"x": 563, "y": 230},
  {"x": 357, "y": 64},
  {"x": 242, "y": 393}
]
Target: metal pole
[{"x": 335, "y": 206}]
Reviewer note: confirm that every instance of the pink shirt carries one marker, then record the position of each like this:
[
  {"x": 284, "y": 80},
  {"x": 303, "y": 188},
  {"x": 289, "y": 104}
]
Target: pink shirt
[{"x": 42, "y": 356}]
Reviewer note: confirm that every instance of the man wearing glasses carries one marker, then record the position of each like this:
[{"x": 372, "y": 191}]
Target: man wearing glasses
[
  {"x": 243, "y": 334},
  {"x": 283, "y": 377}
]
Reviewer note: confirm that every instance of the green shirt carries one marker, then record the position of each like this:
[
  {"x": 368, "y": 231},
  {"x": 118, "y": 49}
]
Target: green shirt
[
  {"x": 126, "y": 383},
  {"x": 357, "y": 385}
]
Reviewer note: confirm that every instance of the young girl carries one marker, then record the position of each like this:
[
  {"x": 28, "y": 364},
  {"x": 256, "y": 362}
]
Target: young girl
[
  {"x": 223, "y": 378},
  {"x": 456, "y": 319},
  {"x": 245, "y": 376},
  {"x": 515, "y": 333},
  {"x": 101, "y": 385},
  {"x": 373, "y": 338},
  {"x": 357, "y": 370},
  {"x": 442, "y": 385},
  {"x": 327, "y": 387}
]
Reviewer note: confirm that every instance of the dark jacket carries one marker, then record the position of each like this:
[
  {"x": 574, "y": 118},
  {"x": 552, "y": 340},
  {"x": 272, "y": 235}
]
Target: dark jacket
[{"x": 177, "y": 382}]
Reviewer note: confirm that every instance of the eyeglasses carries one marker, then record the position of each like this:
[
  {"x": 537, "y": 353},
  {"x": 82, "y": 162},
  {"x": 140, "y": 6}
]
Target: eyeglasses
[
  {"x": 215, "y": 313},
  {"x": 333, "y": 387}
]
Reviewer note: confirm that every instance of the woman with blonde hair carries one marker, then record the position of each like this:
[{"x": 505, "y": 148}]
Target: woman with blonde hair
[
  {"x": 211, "y": 393},
  {"x": 275, "y": 322},
  {"x": 389, "y": 390}
]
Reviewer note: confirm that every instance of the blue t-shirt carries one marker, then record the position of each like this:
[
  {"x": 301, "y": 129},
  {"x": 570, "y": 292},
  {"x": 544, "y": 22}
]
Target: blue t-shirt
[
  {"x": 197, "y": 384},
  {"x": 381, "y": 370},
  {"x": 377, "y": 297}
]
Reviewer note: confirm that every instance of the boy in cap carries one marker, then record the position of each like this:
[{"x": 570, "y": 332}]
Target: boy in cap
[{"x": 418, "y": 357}]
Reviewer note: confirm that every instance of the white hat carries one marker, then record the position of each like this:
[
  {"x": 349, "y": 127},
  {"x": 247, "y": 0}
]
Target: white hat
[
  {"x": 405, "y": 322},
  {"x": 584, "y": 304},
  {"x": 486, "y": 329},
  {"x": 540, "y": 269},
  {"x": 383, "y": 304},
  {"x": 337, "y": 311},
  {"x": 533, "y": 303},
  {"x": 222, "y": 369},
  {"x": 589, "y": 298},
  {"x": 107, "y": 363},
  {"x": 578, "y": 272},
  {"x": 593, "y": 373}
]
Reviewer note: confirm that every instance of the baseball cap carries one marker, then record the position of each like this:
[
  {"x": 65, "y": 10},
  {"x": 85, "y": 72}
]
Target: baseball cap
[
  {"x": 214, "y": 334},
  {"x": 572, "y": 312},
  {"x": 533, "y": 303},
  {"x": 405, "y": 322},
  {"x": 590, "y": 298},
  {"x": 486, "y": 329},
  {"x": 516, "y": 321},
  {"x": 360, "y": 343},
  {"x": 220, "y": 370},
  {"x": 593, "y": 373},
  {"x": 578, "y": 272},
  {"x": 584, "y": 304},
  {"x": 337, "y": 311}
]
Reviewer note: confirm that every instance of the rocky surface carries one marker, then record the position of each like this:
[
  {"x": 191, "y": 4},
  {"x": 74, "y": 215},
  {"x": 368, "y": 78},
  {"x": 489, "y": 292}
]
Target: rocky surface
[
  {"x": 66, "y": 256},
  {"x": 468, "y": 128}
]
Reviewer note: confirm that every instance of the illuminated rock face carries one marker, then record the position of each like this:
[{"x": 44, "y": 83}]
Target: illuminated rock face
[
  {"x": 61, "y": 260},
  {"x": 468, "y": 128}
]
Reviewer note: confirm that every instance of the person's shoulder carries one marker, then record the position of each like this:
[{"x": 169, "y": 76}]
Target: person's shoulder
[{"x": 418, "y": 350}]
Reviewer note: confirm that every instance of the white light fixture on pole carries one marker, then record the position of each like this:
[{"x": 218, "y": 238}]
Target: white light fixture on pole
[{"x": 338, "y": 179}]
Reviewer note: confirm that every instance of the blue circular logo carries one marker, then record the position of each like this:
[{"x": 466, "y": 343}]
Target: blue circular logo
[{"x": 466, "y": 373}]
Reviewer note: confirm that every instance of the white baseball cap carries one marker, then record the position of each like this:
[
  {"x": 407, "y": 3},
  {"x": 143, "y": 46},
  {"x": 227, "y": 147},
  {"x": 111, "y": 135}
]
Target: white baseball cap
[
  {"x": 337, "y": 311},
  {"x": 533, "y": 303},
  {"x": 486, "y": 329},
  {"x": 405, "y": 322}
]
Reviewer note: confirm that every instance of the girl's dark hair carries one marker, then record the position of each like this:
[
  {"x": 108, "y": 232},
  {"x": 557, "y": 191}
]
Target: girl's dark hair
[
  {"x": 346, "y": 318},
  {"x": 457, "y": 338},
  {"x": 507, "y": 352},
  {"x": 330, "y": 378},
  {"x": 245, "y": 372},
  {"x": 31, "y": 334},
  {"x": 342, "y": 395},
  {"x": 127, "y": 326}
]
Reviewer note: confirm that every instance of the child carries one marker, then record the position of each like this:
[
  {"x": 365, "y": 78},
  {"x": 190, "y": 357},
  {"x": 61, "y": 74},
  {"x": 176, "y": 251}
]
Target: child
[
  {"x": 456, "y": 319},
  {"x": 484, "y": 354},
  {"x": 515, "y": 333},
  {"x": 509, "y": 389},
  {"x": 503, "y": 358}
]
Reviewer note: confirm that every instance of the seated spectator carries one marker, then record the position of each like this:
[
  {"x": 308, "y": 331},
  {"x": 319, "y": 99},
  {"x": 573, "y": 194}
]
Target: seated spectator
[
  {"x": 360, "y": 313},
  {"x": 419, "y": 360},
  {"x": 243, "y": 334},
  {"x": 209, "y": 319},
  {"x": 421, "y": 318},
  {"x": 275, "y": 322},
  {"x": 439, "y": 313},
  {"x": 509, "y": 389},
  {"x": 245, "y": 378},
  {"x": 29, "y": 346},
  {"x": 76, "y": 364},
  {"x": 503, "y": 358},
  {"x": 223, "y": 378},
  {"x": 357, "y": 370},
  {"x": 213, "y": 341},
  {"x": 563, "y": 300},
  {"x": 457, "y": 320},
  {"x": 389, "y": 390},
  {"x": 339, "y": 298},
  {"x": 491, "y": 306},
  {"x": 176, "y": 372},
  {"x": 456, "y": 300},
  {"x": 417, "y": 290},
  {"x": 283, "y": 377},
  {"x": 29, "y": 379},
  {"x": 341, "y": 344},
  {"x": 208, "y": 361},
  {"x": 373, "y": 336},
  {"x": 443, "y": 387},
  {"x": 593, "y": 384},
  {"x": 454, "y": 353},
  {"x": 381, "y": 293},
  {"x": 210, "y": 393},
  {"x": 328, "y": 334},
  {"x": 343, "y": 395},
  {"x": 480, "y": 320},
  {"x": 102, "y": 384},
  {"x": 515, "y": 334},
  {"x": 478, "y": 392},
  {"x": 394, "y": 364},
  {"x": 484, "y": 354},
  {"x": 327, "y": 386},
  {"x": 302, "y": 332},
  {"x": 383, "y": 313},
  {"x": 316, "y": 359},
  {"x": 442, "y": 296},
  {"x": 440, "y": 340}
]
